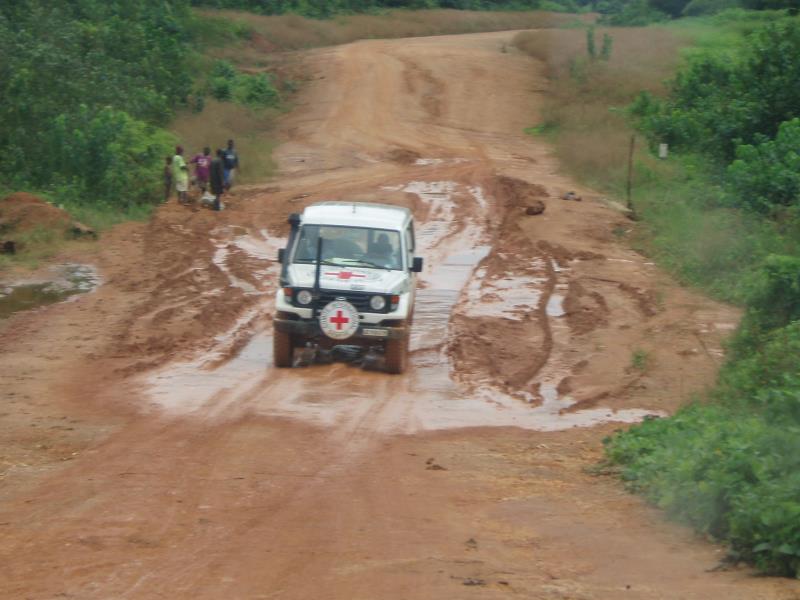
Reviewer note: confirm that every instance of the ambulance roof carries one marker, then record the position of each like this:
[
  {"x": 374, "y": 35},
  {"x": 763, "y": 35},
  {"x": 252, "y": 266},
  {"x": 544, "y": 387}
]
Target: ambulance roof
[{"x": 357, "y": 214}]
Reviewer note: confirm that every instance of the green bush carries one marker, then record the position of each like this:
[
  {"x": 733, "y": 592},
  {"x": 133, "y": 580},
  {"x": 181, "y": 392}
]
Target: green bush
[
  {"x": 256, "y": 90},
  {"x": 108, "y": 156},
  {"x": 726, "y": 472},
  {"x": 766, "y": 176},
  {"x": 83, "y": 84},
  {"x": 221, "y": 88},
  {"x": 773, "y": 302},
  {"x": 227, "y": 83},
  {"x": 633, "y": 13},
  {"x": 709, "y": 7},
  {"x": 717, "y": 103}
]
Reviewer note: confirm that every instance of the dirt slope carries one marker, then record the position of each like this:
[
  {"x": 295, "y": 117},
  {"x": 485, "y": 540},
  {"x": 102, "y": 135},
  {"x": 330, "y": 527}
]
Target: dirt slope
[{"x": 149, "y": 450}]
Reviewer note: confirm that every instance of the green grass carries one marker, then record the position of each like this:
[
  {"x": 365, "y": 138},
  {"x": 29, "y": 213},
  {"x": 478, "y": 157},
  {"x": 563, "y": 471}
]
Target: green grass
[
  {"x": 640, "y": 360},
  {"x": 687, "y": 230},
  {"x": 101, "y": 216}
]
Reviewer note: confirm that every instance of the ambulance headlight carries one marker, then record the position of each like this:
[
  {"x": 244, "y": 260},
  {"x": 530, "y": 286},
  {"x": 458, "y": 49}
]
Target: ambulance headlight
[
  {"x": 377, "y": 302},
  {"x": 304, "y": 297}
]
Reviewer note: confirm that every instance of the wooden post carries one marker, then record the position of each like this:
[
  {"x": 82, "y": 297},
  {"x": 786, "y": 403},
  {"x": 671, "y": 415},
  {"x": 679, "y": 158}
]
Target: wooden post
[{"x": 630, "y": 173}]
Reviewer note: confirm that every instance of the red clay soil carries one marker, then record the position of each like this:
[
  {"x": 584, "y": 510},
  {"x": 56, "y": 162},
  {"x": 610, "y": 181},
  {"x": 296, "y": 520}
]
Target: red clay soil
[
  {"x": 148, "y": 449},
  {"x": 21, "y": 212}
]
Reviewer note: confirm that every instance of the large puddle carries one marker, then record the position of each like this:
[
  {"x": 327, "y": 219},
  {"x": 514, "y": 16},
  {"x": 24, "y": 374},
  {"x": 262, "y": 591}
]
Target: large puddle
[
  {"x": 427, "y": 397},
  {"x": 63, "y": 282}
]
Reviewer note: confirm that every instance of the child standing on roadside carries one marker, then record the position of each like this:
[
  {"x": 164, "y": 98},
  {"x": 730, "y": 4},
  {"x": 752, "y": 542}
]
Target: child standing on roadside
[{"x": 181, "y": 174}]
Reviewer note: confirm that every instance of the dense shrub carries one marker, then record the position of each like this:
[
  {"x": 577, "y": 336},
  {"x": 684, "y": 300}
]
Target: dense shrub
[
  {"x": 774, "y": 302},
  {"x": 631, "y": 13},
  {"x": 717, "y": 104},
  {"x": 766, "y": 176},
  {"x": 80, "y": 81},
  {"x": 709, "y": 7},
  {"x": 256, "y": 90},
  {"x": 108, "y": 156},
  {"x": 727, "y": 472},
  {"x": 329, "y": 8}
]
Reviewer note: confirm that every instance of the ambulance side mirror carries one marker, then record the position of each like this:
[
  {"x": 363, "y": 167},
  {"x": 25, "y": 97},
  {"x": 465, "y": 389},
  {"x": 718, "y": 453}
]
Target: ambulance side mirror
[
  {"x": 416, "y": 266},
  {"x": 281, "y": 255}
]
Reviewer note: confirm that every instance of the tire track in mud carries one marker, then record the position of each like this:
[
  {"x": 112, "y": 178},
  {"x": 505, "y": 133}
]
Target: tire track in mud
[{"x": 434, "y": 90}]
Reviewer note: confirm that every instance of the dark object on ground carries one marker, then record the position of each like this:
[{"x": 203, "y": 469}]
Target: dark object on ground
[
  {"x": 403, "y": 156},
  {"x": 347, "y": 353},
  {"x": 8, "y": 247},
  {"x": 536, "y": 207},
  {"x": 79, "y": 230},
  {"x": 571, "y": 196}
]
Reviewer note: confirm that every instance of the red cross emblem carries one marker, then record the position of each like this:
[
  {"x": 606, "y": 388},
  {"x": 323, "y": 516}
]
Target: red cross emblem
[
  {"x": 345, "y": 274},
  {"x": 339, "y": 320}
]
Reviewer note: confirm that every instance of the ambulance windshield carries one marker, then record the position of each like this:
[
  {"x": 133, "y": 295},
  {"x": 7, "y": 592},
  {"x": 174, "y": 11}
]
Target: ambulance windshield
[{"x": 350, "y": 246}]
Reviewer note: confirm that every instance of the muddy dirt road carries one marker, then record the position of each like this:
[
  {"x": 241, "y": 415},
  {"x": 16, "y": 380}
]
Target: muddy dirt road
[{"x": 149, "y": 449}]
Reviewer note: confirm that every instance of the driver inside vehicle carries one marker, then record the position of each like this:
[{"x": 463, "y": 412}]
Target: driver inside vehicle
[
  {"x": 382, "y": 249},
  {"x": 383, "y": 253}
]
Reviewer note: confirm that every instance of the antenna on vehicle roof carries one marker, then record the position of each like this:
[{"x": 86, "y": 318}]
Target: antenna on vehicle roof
[{"x": 354, "y": 208}]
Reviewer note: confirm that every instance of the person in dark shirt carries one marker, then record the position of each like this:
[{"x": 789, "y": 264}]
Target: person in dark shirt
[
  {"x": 231, "y": 163},
  {"x": 217, "y": 178},
  {"x": 167, "y": 178}
]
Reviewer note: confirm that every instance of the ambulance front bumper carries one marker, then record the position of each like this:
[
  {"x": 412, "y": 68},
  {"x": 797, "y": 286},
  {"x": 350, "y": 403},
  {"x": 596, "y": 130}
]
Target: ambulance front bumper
[{"x": 310, "y": 329}]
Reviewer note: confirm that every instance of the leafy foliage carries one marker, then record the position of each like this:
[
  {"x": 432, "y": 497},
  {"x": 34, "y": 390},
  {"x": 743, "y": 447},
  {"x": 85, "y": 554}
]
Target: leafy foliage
[
  {"x": 709, "y": 7},
  {"x": 726, "y": 471},
  {"x": 226, "y": 83},
  {"x": 717, "y": 104},
  {"x": 83, "y": 82},
  {"x": 766, "y": 176},
  {"x": 729, "y": 466},
  {"x": 328, "y": 8}
]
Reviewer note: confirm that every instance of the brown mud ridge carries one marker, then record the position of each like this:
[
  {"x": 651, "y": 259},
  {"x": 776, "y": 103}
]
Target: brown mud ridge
[
  {"x": 150, "y": 450},
  {"x": 22, "y": 214}
]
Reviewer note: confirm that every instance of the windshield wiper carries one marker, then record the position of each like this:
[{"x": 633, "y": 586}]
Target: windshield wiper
[{"x": 367, "y": 263}]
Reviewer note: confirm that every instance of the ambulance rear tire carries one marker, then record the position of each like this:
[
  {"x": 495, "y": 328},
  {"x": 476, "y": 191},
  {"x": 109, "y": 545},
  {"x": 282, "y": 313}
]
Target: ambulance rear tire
[
  {"x": 396, "y": 355},
  {"x": 282, "y": 349}
]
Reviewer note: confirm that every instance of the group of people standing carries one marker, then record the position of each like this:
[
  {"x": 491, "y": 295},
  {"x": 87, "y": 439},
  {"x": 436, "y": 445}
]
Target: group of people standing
[{"x": 212, "y": 175}]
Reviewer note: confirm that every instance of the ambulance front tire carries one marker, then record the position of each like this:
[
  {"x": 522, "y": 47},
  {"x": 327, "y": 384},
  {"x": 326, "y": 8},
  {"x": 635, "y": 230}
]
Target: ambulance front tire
[
  {"x": 396, "y": 355},
  {"x": 282, "y": 349}
]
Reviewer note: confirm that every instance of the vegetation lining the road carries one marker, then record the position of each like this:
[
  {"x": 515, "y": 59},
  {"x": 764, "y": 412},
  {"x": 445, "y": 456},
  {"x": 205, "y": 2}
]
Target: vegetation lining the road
[
  {"x": 325, "y": 9},
  {"x": 723, "y": 213},
  {"x": 96, "y": 94},
  {"x": 295, "y": 32}
]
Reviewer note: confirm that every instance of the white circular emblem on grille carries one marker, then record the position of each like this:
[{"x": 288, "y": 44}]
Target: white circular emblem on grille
[{"x": 338, "y": 320}]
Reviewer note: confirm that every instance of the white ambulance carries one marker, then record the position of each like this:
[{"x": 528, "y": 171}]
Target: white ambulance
[{"x": 348, "y": 277}]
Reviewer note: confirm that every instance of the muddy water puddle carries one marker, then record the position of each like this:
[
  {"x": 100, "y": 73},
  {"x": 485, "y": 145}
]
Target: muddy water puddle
[
  {"x": 434, "y": 304},
  {"x": 64, "y": 282},
  {"x": 429, "y": 396}
]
